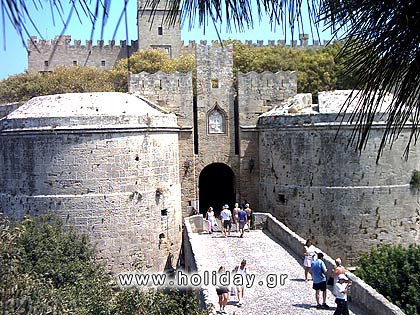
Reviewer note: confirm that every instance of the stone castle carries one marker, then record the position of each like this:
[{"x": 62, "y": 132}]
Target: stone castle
[{"x": 127, "y": 168}]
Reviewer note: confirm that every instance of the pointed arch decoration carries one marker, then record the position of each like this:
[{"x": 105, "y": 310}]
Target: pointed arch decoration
[{"x": 216, "y": 120}]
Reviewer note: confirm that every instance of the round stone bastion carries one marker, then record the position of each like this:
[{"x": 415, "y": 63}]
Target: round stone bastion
[
  {"x": 106, "y": 164},
  {"x": 317, "y": 183}
]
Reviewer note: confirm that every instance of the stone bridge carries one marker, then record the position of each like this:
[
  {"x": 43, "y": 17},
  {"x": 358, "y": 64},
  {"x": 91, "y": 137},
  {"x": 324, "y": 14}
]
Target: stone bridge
[{"x": 273, "y": 252}]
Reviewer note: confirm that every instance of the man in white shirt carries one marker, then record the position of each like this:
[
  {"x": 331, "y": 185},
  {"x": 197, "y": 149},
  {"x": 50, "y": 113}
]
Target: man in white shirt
[
  {"x": 226, "y": 215},
  {"x": 340, "y": 290}
]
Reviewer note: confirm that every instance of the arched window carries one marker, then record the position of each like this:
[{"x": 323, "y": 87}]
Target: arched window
[{"x": 216, "y": 120}]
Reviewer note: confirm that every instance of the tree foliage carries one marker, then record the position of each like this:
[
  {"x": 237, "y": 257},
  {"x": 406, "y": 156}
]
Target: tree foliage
[
  {"x": 317, "y": 70},
  {"x": 150, "y": 61},
  {"x": 47, "y": 269},
  {"x": 394, "y": 272},
  {"x": 23, "y": 87}
]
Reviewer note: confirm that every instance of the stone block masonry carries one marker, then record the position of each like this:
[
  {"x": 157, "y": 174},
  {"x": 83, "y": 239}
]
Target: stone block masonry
[
  {"x": 174, "y": 93},
  {"x": 45, "y": 56},
  {"x": 117, "y": 183},
  {"x": 257, "y": 94},
  {"x": 322, "y": 189}
]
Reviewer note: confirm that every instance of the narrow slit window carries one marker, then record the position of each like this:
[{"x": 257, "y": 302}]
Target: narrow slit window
[
  {"x": 74, "y": 62},
  {"x": 103, "y": 63},
  {"x": 46, "y": 63},
  {"x": 160, "y": 30}
]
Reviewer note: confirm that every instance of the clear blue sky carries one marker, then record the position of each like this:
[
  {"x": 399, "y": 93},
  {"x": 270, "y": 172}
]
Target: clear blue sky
[{"x": 13, "y": 54}]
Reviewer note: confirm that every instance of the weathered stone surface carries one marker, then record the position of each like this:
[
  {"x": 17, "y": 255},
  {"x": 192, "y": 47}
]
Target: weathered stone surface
[
  {"x": 333, "y": 101},
  {"x": 323, "y": 189},
  {"x": 46, "y": 55},
  {"x": 257, "y": 94},
  {"x": 103, "y": 178},
  {"x": 156, "y": 31}
]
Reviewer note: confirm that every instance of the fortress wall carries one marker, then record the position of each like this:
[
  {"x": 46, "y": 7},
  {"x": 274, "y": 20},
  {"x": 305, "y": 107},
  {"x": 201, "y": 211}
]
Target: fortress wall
[
  {"x": 174, "y": 93},
  {"x": 342, "y": 199},
  {"x": 60, "y": 52},
  {"x": 102, "y": 183},
  {"x": 257, "y": 94},
  {"x": 303, "y": 43}
]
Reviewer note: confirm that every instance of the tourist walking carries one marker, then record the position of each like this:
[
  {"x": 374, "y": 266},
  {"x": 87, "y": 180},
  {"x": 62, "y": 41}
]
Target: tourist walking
[
  {"x": 222, "y": 292},
  {"x": 210, "y": 217},
  {"x": 242, "y": 218},
  {"x": 226, "y": 217},
  {"x": 248, "y": 211},
  {"x": 341, "y": 288},
  {"x": 319, "y": 272},
  {"x": 241, "y": 270},
  {"x": 235, "y": 216},
  {"x": 310, "y": 255}
]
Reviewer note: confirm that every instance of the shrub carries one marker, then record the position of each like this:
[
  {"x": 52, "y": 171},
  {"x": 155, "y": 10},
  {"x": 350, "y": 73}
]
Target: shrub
[
  {"x": 48, "y": 269},
  {"x": 394, "y": 272}
]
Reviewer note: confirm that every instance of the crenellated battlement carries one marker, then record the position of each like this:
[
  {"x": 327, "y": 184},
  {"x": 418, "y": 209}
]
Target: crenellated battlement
[
  {"x": 66, "y": 42},
  {"x": 174, "y": 82},
  {"x": 290, "y": 75},
  {"x": 303, "y": 43},
  {"x": 276, "y": 83},
  {"x": 46, "y": 55}
]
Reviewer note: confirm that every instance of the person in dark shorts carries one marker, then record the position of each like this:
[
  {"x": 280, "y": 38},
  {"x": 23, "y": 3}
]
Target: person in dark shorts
[
  {"x": 341, "y": 288},
  {"x": 226, "y": 217},
  {"x": 319, "y": 271},
  {"x": 242, "y": 218},
  {"x": 222, "y": 292}
]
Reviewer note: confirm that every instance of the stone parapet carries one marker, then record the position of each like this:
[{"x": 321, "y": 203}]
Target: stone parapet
[
  {"x": 271, "y": 119},
  {"x": 66, "y": 42},
  {"x": 192, "y": 225},
  {"x": 362, "y": 294},
  {"x": 303, "y": 43}
]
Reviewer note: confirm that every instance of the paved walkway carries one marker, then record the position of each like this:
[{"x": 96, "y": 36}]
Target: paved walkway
[{"x": 265, "y": 255}]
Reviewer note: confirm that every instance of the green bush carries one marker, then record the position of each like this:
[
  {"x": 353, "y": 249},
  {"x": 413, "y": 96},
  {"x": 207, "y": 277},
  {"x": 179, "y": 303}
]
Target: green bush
[
  {"x": 48, "y": 269},
  {"x": 167, "y": 302},
  {"x": 394, "y": 272}
]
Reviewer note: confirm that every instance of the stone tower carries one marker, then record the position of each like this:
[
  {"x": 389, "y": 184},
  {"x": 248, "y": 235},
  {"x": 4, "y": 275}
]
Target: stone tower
[
  {"x": 217, "y": 159},
  {"x": 155, "y": 30}
]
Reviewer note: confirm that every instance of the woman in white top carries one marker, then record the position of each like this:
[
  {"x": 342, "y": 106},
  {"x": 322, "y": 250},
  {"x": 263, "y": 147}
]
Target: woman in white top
[
  {"x": 310, "y": 254},
  {"x": 338, "y": 270},
  {"x": 211, "y": 219}
]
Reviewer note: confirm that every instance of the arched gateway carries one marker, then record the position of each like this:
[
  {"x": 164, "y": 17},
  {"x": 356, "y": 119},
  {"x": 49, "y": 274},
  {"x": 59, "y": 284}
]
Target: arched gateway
[{"x": 217, "y": 187}]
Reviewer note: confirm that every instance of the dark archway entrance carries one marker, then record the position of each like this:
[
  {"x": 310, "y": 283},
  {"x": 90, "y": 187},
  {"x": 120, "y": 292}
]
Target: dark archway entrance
[{"x": 217, "y": 187}]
